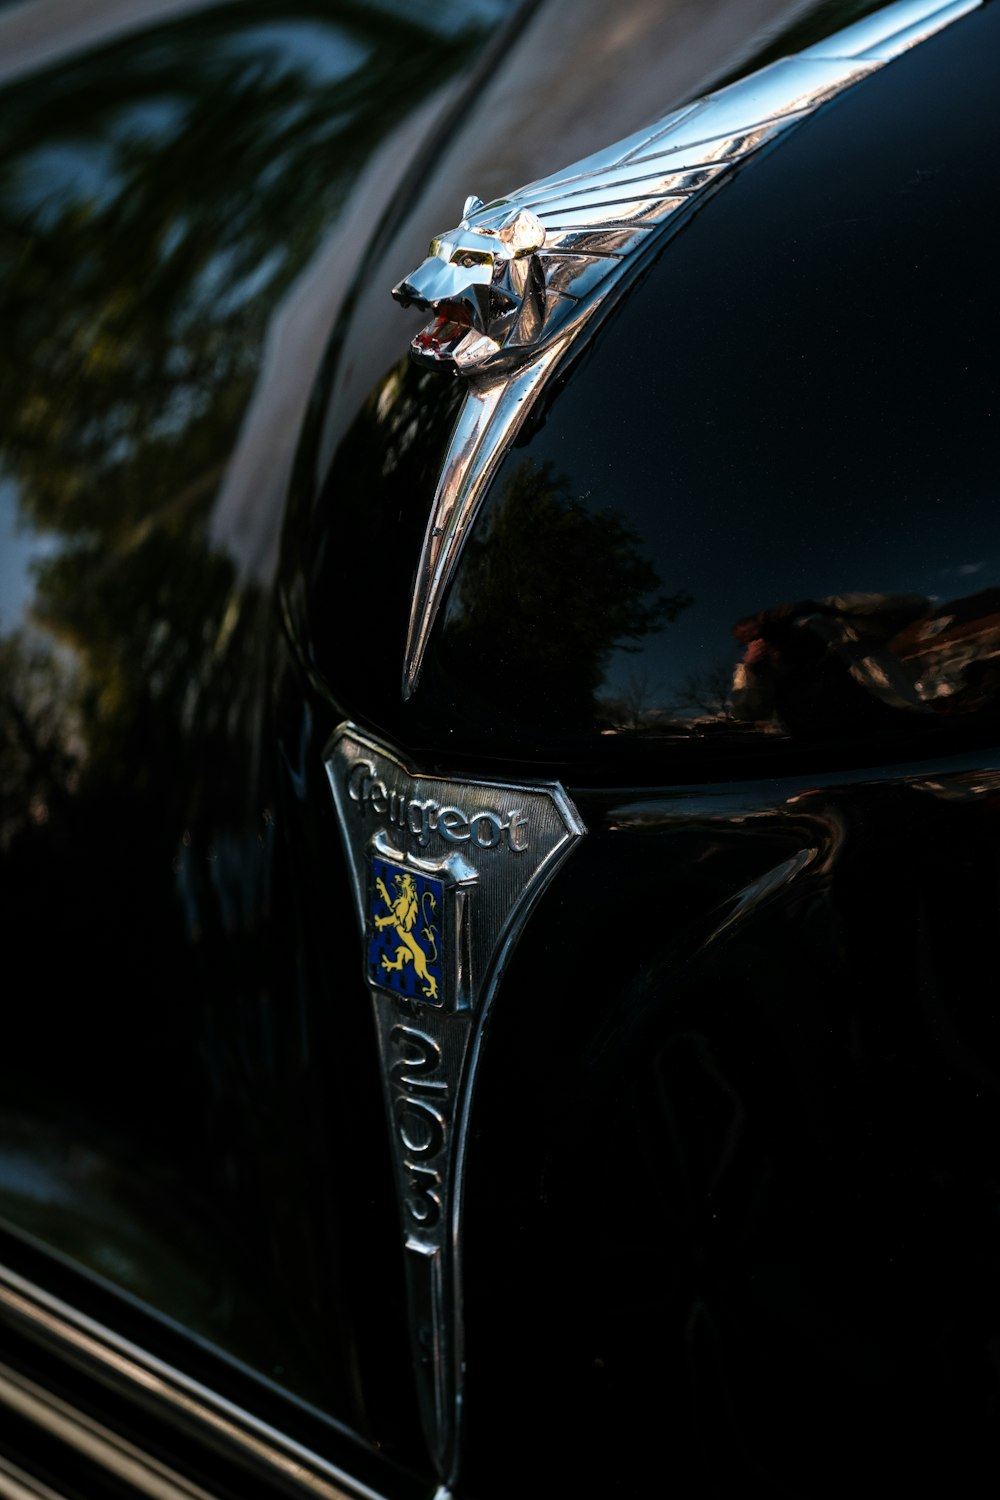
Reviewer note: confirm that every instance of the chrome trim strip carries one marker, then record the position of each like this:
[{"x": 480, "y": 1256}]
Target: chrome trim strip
[
  {"x": 25, "y": 1303},
  {"x": 885, "y": 32},
  {"x": 487, "y": 424},
  {"x": 15, "y": 1484},
  {"x": 89, "y": 1438},
  {"x": 603, "y": 219}
]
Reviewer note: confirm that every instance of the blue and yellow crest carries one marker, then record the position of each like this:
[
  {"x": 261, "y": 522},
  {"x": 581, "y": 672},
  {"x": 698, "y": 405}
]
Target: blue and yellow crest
[{"x": 405, "y": 909}]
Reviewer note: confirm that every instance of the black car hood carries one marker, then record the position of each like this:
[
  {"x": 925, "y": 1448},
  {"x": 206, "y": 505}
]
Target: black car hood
[{"x": 754, "y": 519}]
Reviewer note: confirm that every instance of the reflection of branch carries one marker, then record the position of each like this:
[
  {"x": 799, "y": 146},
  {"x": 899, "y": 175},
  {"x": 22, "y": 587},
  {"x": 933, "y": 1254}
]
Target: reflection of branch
[
  {"x": 553, "y": 628},
  {"x": 708, "y": 693},
  {"x": 39, "y": 760},
  {"x": 187, "y": 495},
  {"x": 36, "y": 761},
  {"x": 635, "y": 706}
]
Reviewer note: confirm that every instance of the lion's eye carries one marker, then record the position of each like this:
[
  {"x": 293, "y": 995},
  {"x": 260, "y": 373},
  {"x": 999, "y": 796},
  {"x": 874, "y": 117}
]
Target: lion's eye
[{"x": 468, "y": 259}]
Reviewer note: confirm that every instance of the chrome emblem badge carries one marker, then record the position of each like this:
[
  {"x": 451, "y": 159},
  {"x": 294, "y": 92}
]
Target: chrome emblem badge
[{"x": 445, "y": 872}]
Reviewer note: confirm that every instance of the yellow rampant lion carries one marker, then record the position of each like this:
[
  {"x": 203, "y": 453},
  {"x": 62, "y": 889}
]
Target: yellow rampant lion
[{"x": 402, "y": 915}]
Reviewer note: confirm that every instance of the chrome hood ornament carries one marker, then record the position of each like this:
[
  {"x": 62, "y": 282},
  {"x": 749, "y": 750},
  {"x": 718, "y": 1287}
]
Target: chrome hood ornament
[
  {"x": 483, "y": 283},
  {"x": 445, "y": 873},
  {"x": 512, "y": 288}
]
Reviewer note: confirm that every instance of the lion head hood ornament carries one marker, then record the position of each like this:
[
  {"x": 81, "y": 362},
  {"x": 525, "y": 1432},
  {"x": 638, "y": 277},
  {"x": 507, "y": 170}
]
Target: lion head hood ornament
[
  {"x": 482, "y": 282},
  {"x": 512, "y": 288}
]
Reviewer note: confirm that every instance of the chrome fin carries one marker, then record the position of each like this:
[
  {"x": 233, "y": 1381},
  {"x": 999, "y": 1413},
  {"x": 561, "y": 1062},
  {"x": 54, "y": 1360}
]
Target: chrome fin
[{"x": 518, "y": 302}]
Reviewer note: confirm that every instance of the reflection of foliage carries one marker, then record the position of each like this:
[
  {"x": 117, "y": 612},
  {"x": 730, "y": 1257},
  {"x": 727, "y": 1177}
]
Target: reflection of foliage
[
  {"x": 39, "y": 749},
  {"x": 156, "y": 201},
  {"x": 547, "y": 590},
  {"x": 158, "y": 198},
  {"x": 403, "y": 408}
]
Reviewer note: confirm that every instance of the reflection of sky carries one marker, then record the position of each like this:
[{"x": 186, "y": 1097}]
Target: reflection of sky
[
  {"x": 39, "y": 1180},
  {"x": 220, "y": 288},
  {"x": 52, "y": 177},
  {"x": 19, "y": 546},
  {"x": 447, "y": 16},
  {"x": 310, "y": 48},
  {"x": 87, "y": 168},
  {"x": 151, "y": 119}
]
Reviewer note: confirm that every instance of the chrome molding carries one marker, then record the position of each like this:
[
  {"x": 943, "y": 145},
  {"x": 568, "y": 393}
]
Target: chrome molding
[
  {"x": 146, "y": 1475},
  {"x": 31, "y": 1308},
  {"x": 514, "y": 285},
  {"x": 15, "y": 1484},
  {"x": 445, "y": 873}
]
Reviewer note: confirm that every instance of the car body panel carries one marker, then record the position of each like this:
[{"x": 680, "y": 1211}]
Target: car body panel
[{"x": 727, "y": 1211}]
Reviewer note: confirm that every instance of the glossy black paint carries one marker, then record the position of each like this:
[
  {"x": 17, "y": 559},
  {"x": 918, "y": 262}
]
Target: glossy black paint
[
  {"x": 730, "y": 1210},
  {"x": 731, "y": 1202},
  {"x": 756, "y": 518},
  {"x": 734, "y": 1132},
  {"x": 174, "y": 1096}
]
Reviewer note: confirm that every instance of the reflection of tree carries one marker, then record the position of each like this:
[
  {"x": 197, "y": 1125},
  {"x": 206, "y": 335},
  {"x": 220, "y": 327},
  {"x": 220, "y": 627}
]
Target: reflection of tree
[
  {"x": 207, "y": 169},
  {"x": 158, "y": 197},
  {"x": 39, "y": 758},
  {"x": 636, "y": 706},
  {"x": 708, "y": 692},
  {"x": 547, "y": 589}
]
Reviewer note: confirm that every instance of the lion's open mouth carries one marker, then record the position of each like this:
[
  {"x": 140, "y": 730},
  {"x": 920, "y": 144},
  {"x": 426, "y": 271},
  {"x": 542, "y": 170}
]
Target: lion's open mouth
[{"x": 440, "y": 338}]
